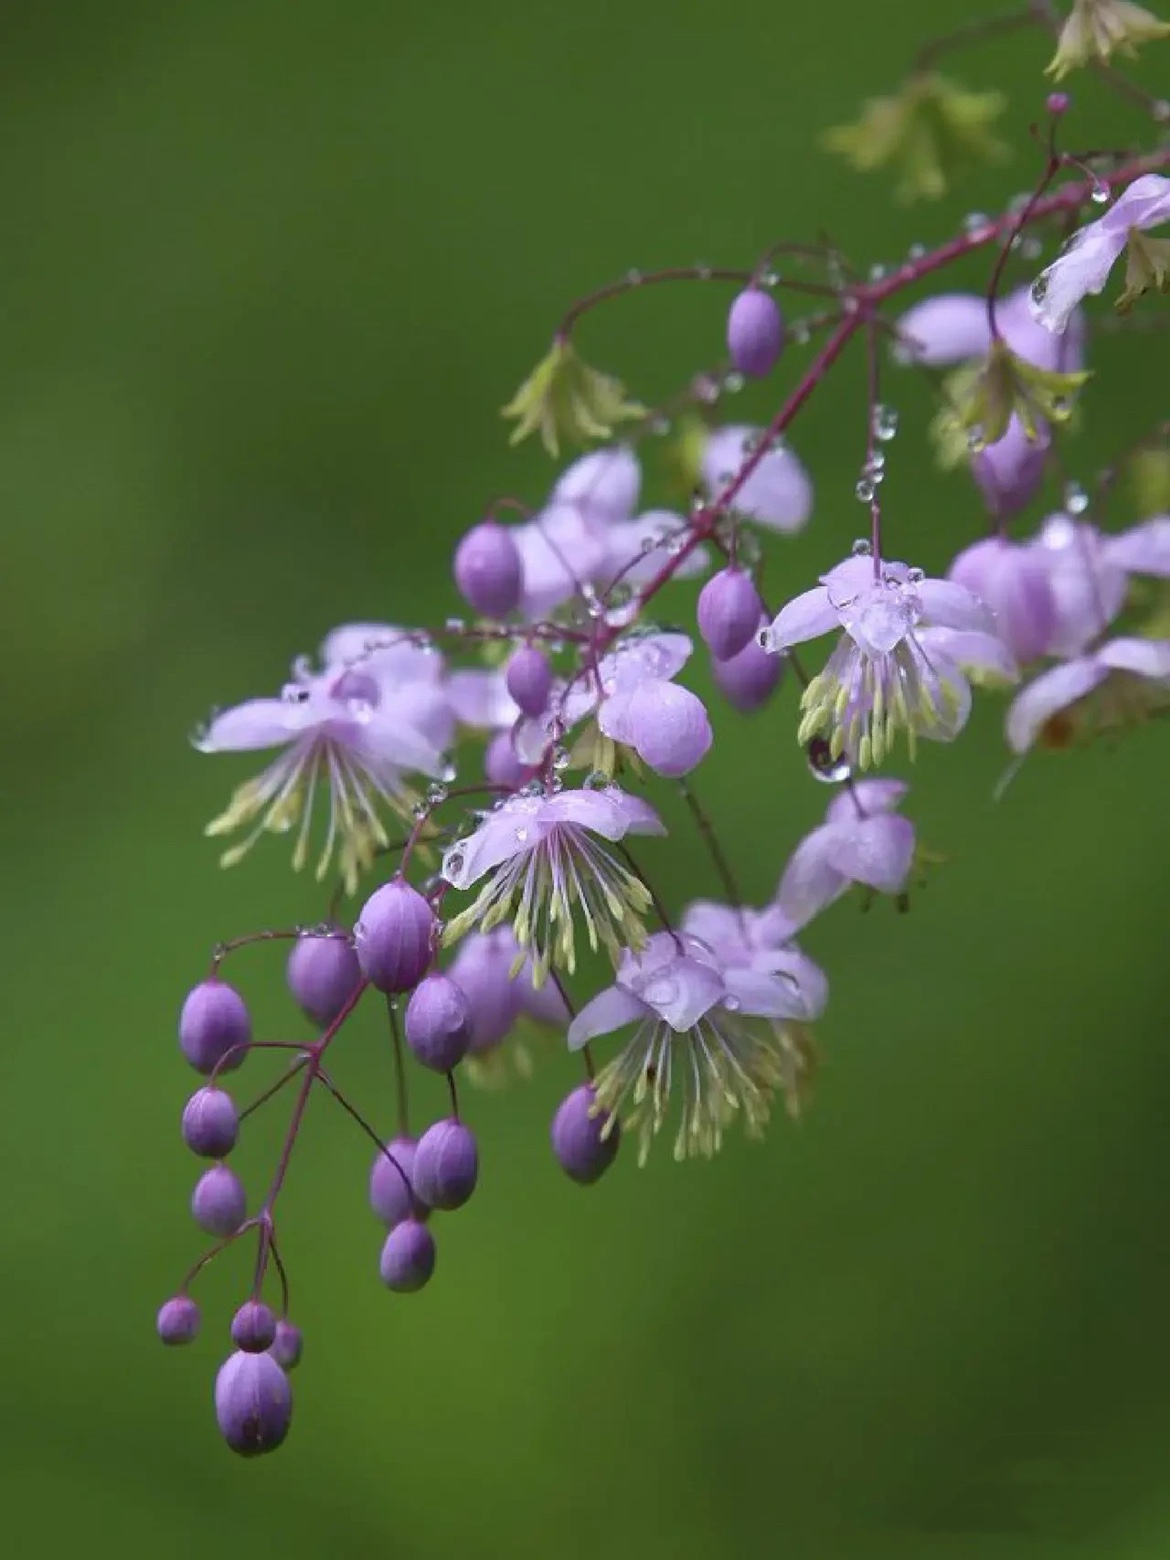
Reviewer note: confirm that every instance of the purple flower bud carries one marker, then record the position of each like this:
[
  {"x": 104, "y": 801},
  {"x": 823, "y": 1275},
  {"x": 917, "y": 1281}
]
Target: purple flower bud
[
  {"x": 213, "y": 1021},
  {"x": 1010, "y": 471},
  {"x": 748, "y": 679},
  {"x": 438, "y": 1028},
  {"x": 287, "y": 1346},
  {"x": 1057, "y": 103},
  {"x": 219, "y": 1202},
  {"x": 394, "y": 936},
  {"x": 253, "y": 1327},
  {"x": 211, "y": 1123},
  {"x": 501, "y": 763},
  {"x": 1013, "y": 580},
  {"x": 253, "y": 1403},
  {"x": 178, "y": 1320},
  {"x": 585, "y": 1144},
  {"x": 408, "y": 1257},
  {"x": 323, "y": 973},
  {"x": 529, "y": 679},
  {"x": 446, "y": 1165},
  {"x": 667, "y": 726},
  {"x": 755, "y": 332},
  {"x": 482, "y": 971},
  {"x": 488, "y": 570},
  {"x": 391, "y": 1177},
  {"x": 728, "y": 613}
]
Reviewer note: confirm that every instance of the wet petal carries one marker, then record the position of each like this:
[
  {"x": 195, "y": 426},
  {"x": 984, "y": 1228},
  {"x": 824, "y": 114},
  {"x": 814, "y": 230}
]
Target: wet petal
[
  {"x": 611, "y": 1009},
  {"x": 778, "y": 494},
  {"x": 264, "y": 723},
  {"x": 1143, "y": 657},
  {"x": 1145, "y": 549},
  {"x": 876, "y": 851},
  {"x": 810, "y": 880},
  {"x": 1050, "y": 693},
  {"x": 863, "y": 797},
  {"x": 807, "y": 616},
  {"x": 759, "y": 995},
  {"x": 949, "y": 328},
  {"x": 946, "y": 604}
]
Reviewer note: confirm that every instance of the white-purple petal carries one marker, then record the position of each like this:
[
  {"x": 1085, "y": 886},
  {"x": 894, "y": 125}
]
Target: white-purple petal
[
  {"x": 778, "y": 494},
  {"x": 1143, "y": 657},
  {"x": 631, "y": 560},
  {"x": 810, "y": 881},
  {"x": 805, "y": 617},
  {"x": 265, "y": 723},
  {"x": 946, "y": 604},
  {"x": 877, "y": 851},
  {"x": 1047, "y": 695},
  {"x": 948, "y": 328},
  {"x": 480, "y": 699},
  {"x": 605, "y": 483},
  {"x": 983, "y": 657},
  {"x": 611, "y": 1009},
  {"x": 610, "y": 812},
  {"x": 680, "y": 992},
  {"x": 1144, "y": 549},
  {"x": 760, "y": 995},
  {"x": 862, "y": 797}
]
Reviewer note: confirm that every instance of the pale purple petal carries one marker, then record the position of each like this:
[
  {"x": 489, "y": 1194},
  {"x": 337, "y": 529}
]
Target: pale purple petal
[
  {"x": 982, "y": 657},
  {"x": 778, "y": 494},
  {"x": 1143, "y": 204},
  {"x": 390, "y": 654},
  {"x": 611, "y": 812},
  {"x": 631, "y": 561},
  {"x": 1145, "y": 549},
  {"x": 680, "y": 992},
  {"x": 1088, "y": 589},
  {"x": 760, "y": 995},
  {"x": 424, "y": 710},
  {"x": 384, "y": 737},
  {"x": 501, "y": 836},
  {"x": 878, "y": 851},
  {"x": 647, "y": 656},
  {"x": 481, "y": 700},
  {"x": 721, "y": 927},
  {"x": 958, "y": 710},
  {"x": 806, "y": 616},
  {"x": 948, "y": 328},
  {"x": 1010, "y": 471},
  {"x": 863, "y": 797},
  {"x": 1014, "y": 582},
  {"x": 1060, "y": 351},
  {"x": 948, "y": 605},
  {"x": 666, "y": 725},
  {"x": 559, "y": 549},
  {"x": 605, "y": 483},
  {"x": 264, "y": 723},
  {"x": 1143, "y": 657},
  {"x": 611, "y": 1009},
  {"x": 809, "y": 980},
  {"x": 1050, "y": 693},
  {"x": 810, "y": 880},
  {"x": 1083, "y": 268}
]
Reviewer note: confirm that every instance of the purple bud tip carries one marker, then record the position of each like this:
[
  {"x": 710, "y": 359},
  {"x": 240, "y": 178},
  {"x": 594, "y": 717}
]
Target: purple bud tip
[
  {"x": 219, "y": 1202},
  {"x": 323, "y": 973},
  {"x": 394, "y": 936},
  {"x": 178, "y": 1320},
  {"x": 1058, "y": 103},
  {"x": 211, "y": 1123},
  {"x": 728, "y": 613},
  {"x": 438, "y": 1024},
  {"x": 286, "y": 1348},
  {"x": 254, "y": 1327},
  {"x": 529, "y": 679},
  {"x": 488, "y": 570},
  {"x": 446, "y": 1165},
  {"x": 668, "y": 728},
  {"x": 755, "y": 332},
  {"x": 213, "y": 1021},
  {"x": 253, "y": 1403},
  {"x": 584, "y": 1143},
  {"x": 408, "y": 1257},
  {"x": 391, "y": 1179},
  {"x": 501, "y": 763},
  {"x": 748, "y": 680}
]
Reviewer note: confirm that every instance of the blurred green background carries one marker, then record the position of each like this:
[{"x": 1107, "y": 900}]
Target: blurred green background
[{"x": 268, "y": 272}]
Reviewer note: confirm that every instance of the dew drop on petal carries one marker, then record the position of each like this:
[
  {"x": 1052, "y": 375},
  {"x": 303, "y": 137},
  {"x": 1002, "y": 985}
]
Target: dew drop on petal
[
  {"x": 884, "y": 422},
  {"x": 862, "y": 548},
  {"x": 1076, "y": 500},
  {"x": 823, "y": 766},
  {"x": 865, "y": 490}
]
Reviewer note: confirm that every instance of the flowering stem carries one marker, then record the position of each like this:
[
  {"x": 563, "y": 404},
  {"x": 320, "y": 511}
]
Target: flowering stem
[
  {"x": 275, "y": 1088},
  {"x": 870, "y": 473},
  {"x": 355, "y": 1115},
  {"x": 401, "y": 1097},
  {"x": 715, "y": 850},
  {"x": 677, "y": 273},
  {"x": 974, "y": 32}
]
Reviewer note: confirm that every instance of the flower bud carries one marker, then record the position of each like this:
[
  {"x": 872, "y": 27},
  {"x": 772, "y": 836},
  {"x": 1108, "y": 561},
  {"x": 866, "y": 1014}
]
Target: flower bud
[
  {"x": 211, "y": 1123},
  {"x": 408, "y": 1257},
  {"x": 529, "y": 679},
  {"x": 287, "y": 1345},
  {"x": 1013, "y": 580},
  {"x": 489, "y": 570},
  {"x": 728, "y": 612},
  {"x": 214, "y": 1020},
  {"x": 178, "y": 1320},
  {"x": 1010, "y": 471},
  {"x": 585, "y": 1144},
  {"x": 437, "y": 1025},
  {"x": 394, "y": 937},
  {"x": 391, "y": 1180},
  {"x": 755, "y": 332},
  {"x": 446, "y": 1165},
  {"x": 253, "y": 1403},
  {"x": 501, "y": 763},
  {"x": 482, "y": 971},
  {"x": 667, "y": 727},
  {"x": 253, "y": 1327},
  {"x": 323, "y": 973},
  {"x": 219, "y": 1203},
  {"x": 748, "y": 679}
]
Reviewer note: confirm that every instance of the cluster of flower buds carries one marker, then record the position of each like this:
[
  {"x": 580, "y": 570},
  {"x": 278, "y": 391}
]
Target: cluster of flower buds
[{"x": 490, "y": 887}]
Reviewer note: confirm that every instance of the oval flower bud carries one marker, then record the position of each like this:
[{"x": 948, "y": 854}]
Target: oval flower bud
[
  {"x": 219, "y": 1203},
  {"x": 253, "y": 1327},
  {"x": 391, "y": 1179},
  {"x": 288, "y": 1345},
  {"x": 502, "y": 765},
  {"x": 323, "y": 973},
  {"x": 178, "y": 1320},
  {"x": 408, "y": 1257},
  {"x": 748, "y": 680},
  {"x": 214, "y": 1022},
  {"x": 394, "y": 937},
  {"x": 667, "y": 727},
  {"x": 446, "y": 1165},
  {"x": 437, "y": 1025},
  {"x": 529, "y": 679},
  {"x": 755, "y": 332},
  {"x": 488, "y": 569},
  {"x": 729, "y": 612},
  {"x": 585, "y": 1145},
  {"x": 253, "y": 1403},
  {"x": 211, "y": 1123}
]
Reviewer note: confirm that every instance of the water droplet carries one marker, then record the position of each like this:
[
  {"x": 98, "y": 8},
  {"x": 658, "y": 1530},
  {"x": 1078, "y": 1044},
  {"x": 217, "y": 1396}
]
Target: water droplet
[
  {"x": 1076, "y": 500},
  {"x": 877, "y": 273},
  {"x": 976, "y": 443},
  {"x": 875, "y": 465},
  {"x": 1060, "y": 406},
  {"x": 705, "y": 388},
  {"x": 593, "y": 603},
  {"x": 521, "y": 836},
  {"x": 597, "y": 780},
  {"x": 884, "y": 421},
  {"x": 437, "y": 795},
  {"x": 770, "y": 279},
  {"x": 529, "y": 791},
  {"x": 733, "y": 383},
  {"x": 702, "y": 271},
  {"x": 1099, "y": 194},
  {"x": 1031, "y": 248},
  {"x": 453, "y": 863},
  {"x": 865, "y": 490},
  {"x": 862, "y": 548},
  {"x": 360, "y": 709},
  {"x": 915, "y": 576},
  {"x": 823, "y": 766},
  {"x": 447, "y": 770},
  {"x": 419, "y": 811},
  {"x": 974, "y": 222},
  {"x": 731, "y": 1003},
  {"x": 295, "y": 693},
  {"x": 916, "y": 252},
  {"x": 455, "y": 625},
  {"x": 634, "y": 277},
  {"x": 561, "y": 758},
  {"x": 658, "y": 425},
  {"x": 800, "y": 333}
]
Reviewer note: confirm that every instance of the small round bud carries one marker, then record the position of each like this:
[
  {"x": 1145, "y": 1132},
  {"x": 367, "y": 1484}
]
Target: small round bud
[
  {"x": 253, "y": 1327},
  {"x": 219, "y": 1203},
  {"x": 446, "y": 1165},
  {"x": 748, "y": 680},
  {"x": 213, "y": 1022},
  {"x": 391, "y": 1179},
  {"x": 178, "y": 1320},
  {"x": 211, "y": 1123},
  {"x": 1057, "y": 103},
  {"x": 585, "y": 1144},
  {"x": 529, "y": 679},
  {"x": 323, "y": 973},
  {"x": 482, "y": 969},
  {"x": 438, "y": 1025},
  {"x": 755, "y": 332},
  {"x": 253, "y": 1403},
  {"x": 408, "y": 1257},
  {"x": 488, "y": 570},
  {"x": 502, "y": 765},
  {"x": 394, "y": 936},
  {"x": 728, "y": 612},
  {"x": 667, "y": 727},
  {"x": 288, "y": 1344}
]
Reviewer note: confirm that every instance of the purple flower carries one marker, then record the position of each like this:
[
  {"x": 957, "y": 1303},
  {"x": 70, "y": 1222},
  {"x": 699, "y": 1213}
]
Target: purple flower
[
  {"x": 755, "y": 332},
  {"x": 1124, "y": 678},
  {"x": 1084, "y": 265},
  {"x": 253, "y": 1403},
  {"x": 542, "y": 862},
  {"x": 666, "y": 726},
  {"x": 1088, "y": 573},
  {"x": 778, "y": 494},
  {"x": 1010, "y": 471},
  {"x": 885, "y": 674},
  {"x": 954, "y": 328},
  {"x": 862, "y": 840},
  {"x": 1014, "y": 582},
  {"x": 692, "y": 1034}
]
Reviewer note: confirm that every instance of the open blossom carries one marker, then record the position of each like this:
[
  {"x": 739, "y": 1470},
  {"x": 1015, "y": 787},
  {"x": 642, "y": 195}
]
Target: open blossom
[
  {"x": 693, "y": 1036},
  {"x": 890, "y": 671},
  {"x": 778, "y": 494},
  {"x": 1096, "y": 29},
  {"x": 955, "y": 328},
  {"x": 1014, "y": 580},
  {"x": 353, "y": 732},
  {"x": 862, "y": 840},
  {"x": 1088, "y": 574},
  {"x": 1084, "y": 265},
  {"x": 1116, "y": 685},
  {"x": 544, "y": 863}
]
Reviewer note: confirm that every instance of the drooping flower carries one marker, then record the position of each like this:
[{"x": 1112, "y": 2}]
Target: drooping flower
[
  {"x": 886, "y": 675},
  {"x": 1010, "y": 471},
  {"x": 544, "y": 864},
  {"x": 777, "y": 495},
  {"x": 1084, "y": 265},
  {"x": 693, "y": 1035},
  {"x": 1014, "y": 581},
  {"x": 951, "y": 328},
  {"x": 1088, "y": 574},
  {"x": 565, "y": 398},
  {"x": 862, "y": 840},
  {"x": 1094, "y": 30},
  {"x": 1117, "y": 685}
]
